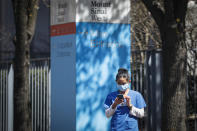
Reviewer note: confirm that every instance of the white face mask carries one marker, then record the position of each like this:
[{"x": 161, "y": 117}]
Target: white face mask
[{"x": 122, "y": 87}]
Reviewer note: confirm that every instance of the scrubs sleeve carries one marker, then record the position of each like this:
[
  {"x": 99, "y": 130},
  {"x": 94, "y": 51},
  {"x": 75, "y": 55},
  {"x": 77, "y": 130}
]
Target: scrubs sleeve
[
  {"x": 108, "y": 102},
  {"x": 140, "y": 102}
]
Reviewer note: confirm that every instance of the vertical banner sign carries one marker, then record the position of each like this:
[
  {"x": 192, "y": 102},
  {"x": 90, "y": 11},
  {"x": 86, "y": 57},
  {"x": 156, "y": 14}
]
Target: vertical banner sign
[
  {"x": 63, "y": 70},
  {"x": 90, "y": 40}
]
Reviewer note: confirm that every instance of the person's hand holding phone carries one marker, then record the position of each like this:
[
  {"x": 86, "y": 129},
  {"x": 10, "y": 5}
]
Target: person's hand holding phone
[{"x": 119, "y": 99}]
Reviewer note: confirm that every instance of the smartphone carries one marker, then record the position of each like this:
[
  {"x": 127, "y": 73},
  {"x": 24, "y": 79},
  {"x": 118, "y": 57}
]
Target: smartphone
[{"x": 120, "y": 96}]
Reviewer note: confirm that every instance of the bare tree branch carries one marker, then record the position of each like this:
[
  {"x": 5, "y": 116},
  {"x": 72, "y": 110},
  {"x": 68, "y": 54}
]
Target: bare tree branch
[
  {"x": 33, "y": 6},
  {"x": 156, "y": 12}
]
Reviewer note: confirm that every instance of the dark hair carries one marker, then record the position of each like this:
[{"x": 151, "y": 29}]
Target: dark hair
[{"x": 122, "y": 72}]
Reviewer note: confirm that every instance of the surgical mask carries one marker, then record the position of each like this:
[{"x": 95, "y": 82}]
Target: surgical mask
[{"x": 122, "y": 87}]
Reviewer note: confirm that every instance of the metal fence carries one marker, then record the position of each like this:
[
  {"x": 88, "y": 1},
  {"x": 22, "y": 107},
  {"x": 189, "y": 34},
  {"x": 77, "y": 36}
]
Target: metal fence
[
  {"x": 192, "y": 92},
  {"x": 192, "y": 103},
  {"x": 39, "y": 80},
  {"x": 146, "y": 72},
  {"x": 4, "y": 97}
]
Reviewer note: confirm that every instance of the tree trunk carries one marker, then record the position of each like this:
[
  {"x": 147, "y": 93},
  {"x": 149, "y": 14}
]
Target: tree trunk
[
  {"x": 171, "y": 23},
  {"x": 25, "y": 12},
  {"x": 22, "y": 106},
  {"x": 174, "y": 78}
]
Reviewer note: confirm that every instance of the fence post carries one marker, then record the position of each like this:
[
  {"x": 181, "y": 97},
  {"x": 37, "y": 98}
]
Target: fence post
[
  {"x": 149, "y": 91},
  {"x": 49, "y": 99},
  {"x": 10, "y": 98},
  {"x": 154, "y": 78},
  {"x": 158, "y": 87}
]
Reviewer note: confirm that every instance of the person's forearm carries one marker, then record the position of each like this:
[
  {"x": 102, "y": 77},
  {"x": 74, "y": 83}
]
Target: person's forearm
[
  {"x": 114, "y": 105},
  {"x": 110, "y": 111},
  {"x": 137, "y": 112}
]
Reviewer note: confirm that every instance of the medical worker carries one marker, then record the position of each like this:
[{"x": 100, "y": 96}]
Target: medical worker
[{"x": 124, "y": 110}]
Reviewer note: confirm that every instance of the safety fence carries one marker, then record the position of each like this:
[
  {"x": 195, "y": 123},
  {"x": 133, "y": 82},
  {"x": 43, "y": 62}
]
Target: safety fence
[{"x": 39, "y": 80}]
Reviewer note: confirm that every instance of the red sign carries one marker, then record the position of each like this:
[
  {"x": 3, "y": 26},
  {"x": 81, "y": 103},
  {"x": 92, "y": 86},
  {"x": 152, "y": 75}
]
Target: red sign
[{"x": 63, "y": 29}]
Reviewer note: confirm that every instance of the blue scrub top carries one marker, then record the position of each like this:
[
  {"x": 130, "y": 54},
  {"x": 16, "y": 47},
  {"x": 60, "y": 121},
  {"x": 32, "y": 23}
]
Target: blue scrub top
[{"x": 122, "y": 120}]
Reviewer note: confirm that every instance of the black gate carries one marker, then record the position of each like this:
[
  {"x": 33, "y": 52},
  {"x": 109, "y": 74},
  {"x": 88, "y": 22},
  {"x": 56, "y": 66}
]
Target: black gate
[{"x": 146, "y": 72}]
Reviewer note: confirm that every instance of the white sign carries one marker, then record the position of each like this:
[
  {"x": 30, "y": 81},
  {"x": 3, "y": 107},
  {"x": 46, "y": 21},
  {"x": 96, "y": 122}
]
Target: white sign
[
  {"x": 104, "y": 11},
  {"x": 63, "y": 11}
]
